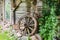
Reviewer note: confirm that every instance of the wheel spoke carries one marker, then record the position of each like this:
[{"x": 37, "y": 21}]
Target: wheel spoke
[
  {"x": 30, "y": 28},
  {"x": 25, "y": 31},
  {"x": 28, "y": 31},
  {"x": 31, "y": 21},
  {"x": 26, "y": 20},
  {"x": 31, "y": 25}
]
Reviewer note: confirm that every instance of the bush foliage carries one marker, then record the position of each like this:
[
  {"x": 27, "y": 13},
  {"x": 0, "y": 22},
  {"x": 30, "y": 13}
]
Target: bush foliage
[{"x": 48, "y": 23}]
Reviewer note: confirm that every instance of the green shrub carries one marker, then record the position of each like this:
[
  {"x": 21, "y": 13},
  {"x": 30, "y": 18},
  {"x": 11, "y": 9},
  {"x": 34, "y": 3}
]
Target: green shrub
[{"x": 48, "y": 23}]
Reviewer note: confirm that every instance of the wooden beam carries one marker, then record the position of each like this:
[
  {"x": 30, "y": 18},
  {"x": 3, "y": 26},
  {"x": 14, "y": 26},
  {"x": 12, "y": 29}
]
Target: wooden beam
[
  {"x": 17, "y": 7},
  {"x": 14, "y": 12}
]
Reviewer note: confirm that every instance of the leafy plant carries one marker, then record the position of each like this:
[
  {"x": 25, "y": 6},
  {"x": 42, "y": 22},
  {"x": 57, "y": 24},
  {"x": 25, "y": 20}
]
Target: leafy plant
[
  {"x": 29, "y": 38},
  {"x": 49, "y": 21},
  {"x": 6, "y": 36},
  {"x": 58, "y": 29}
]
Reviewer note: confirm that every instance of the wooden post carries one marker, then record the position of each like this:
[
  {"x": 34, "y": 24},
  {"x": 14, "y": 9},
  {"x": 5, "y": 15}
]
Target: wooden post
[
  {"x": 15, "y": 8},
  {"x": 14, "y": 15}
]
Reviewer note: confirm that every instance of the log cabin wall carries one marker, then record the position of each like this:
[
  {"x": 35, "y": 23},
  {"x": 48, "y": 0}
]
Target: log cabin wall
[
  {"x": 1, "y": 10},
  {"x": 23, "y": 8},
  {"x": 20, "y": 11}
]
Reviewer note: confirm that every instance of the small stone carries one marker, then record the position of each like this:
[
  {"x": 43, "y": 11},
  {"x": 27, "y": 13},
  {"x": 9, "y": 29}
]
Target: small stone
[
  {"x": 33, "y": 38},
  {"x": 18, "y": 34},
  {"x": 36, "y": 37},
  {"x": 24, "y": 37}
]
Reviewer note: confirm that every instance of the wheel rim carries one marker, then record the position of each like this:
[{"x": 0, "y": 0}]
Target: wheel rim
[{"x": 29, "y": 25}]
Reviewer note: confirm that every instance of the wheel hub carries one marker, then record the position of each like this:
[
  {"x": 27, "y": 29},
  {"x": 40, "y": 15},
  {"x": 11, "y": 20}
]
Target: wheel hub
[{"x": 26, "y": 25}]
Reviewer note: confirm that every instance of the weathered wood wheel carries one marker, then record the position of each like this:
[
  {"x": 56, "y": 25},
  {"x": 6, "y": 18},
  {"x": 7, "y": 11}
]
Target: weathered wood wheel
[{"x": 28, "y": 24}]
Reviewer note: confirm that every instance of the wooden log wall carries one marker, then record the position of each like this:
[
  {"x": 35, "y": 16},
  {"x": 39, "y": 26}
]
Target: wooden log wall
[{"x": 1, "y": 10}]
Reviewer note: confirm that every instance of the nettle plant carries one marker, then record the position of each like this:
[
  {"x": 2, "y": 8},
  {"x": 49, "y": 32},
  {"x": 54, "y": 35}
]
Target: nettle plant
[{"x": 48, "y": 22}]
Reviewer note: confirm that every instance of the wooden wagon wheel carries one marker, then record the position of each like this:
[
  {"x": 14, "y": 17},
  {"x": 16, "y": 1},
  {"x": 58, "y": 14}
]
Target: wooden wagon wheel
[{"x": 28, "y": 24}]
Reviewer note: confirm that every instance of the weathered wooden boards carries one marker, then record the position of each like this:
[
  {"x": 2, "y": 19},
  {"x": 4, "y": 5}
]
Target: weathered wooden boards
[{"x": 1, "y": 10}]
